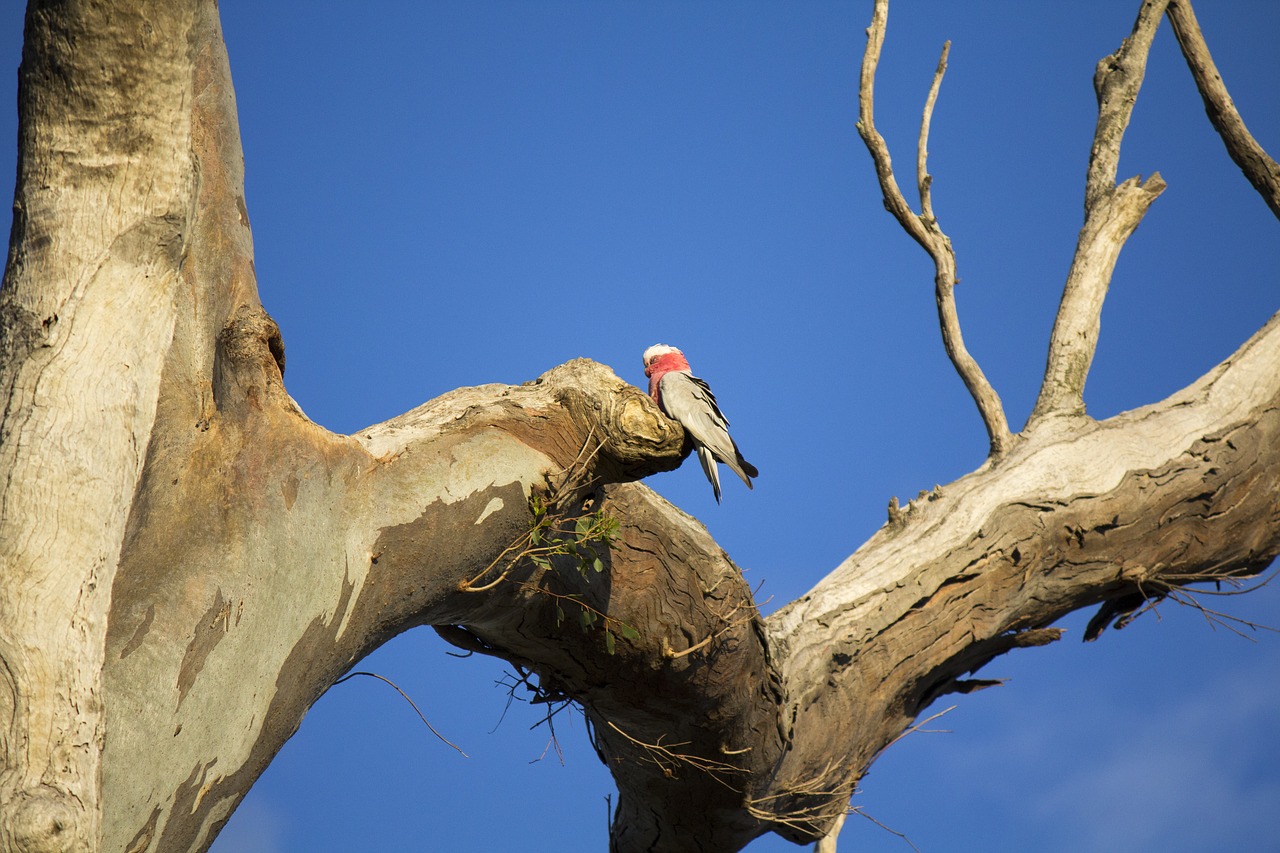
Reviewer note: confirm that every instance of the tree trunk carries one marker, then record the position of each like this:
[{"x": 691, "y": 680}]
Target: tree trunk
[
  {"x": 104, "y": 203},
  {"x": 189, "y": 562}
]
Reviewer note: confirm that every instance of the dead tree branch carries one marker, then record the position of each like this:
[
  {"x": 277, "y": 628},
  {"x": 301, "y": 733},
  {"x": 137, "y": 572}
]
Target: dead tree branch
[
  {"x": 924, "y": 228},
  {"x": 1112, "y": 213},
  {"x": 923, "y": 178},
  {"x": 1259, "y": 167}
]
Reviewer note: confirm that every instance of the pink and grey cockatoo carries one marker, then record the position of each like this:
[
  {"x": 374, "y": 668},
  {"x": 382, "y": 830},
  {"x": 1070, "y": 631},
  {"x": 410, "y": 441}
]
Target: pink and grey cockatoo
[{"x": 687, "y": 399}]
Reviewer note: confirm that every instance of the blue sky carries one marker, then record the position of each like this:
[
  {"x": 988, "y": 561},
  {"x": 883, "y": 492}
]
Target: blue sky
[{"x": 455, "y": 193}]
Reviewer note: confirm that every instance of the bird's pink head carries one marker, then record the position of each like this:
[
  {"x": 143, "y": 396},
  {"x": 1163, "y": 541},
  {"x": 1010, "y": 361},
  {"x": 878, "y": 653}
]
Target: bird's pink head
[{"x": 660, "y": 360}]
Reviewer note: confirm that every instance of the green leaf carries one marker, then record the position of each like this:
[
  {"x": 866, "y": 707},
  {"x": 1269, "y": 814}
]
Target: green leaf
[
  {"x": 559, "y": 615},
  {"x": 608, "y": 642},
  {"x": 582, "y": 526},
  {"x": 597, "y": 565},
  {"x": 629, "y": 632}
]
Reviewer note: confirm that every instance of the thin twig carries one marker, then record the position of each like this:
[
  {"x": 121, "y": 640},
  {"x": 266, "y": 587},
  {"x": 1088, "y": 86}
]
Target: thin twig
[
  {"x": 523, "y": 546},
  {"x": 919, "y": 727},
  {"x": 729, "y": 624},
  {"x": 570, "y": 473},
  {"x": 834, "y": 801},
  {"x": 827, "y": 843},
  {"x": 858, "y": 811},
  {"x": 1187, "y": 597},
  {"x": 610, "y": 623},
  {"x": 406, "y": 698},
  {"x": 923, "y": 178},
  {"x": 469, "y": 585},
  {"x": 1237, "y": 584},
  {"x": 670, "y": 654},
  {"x": 1178, "y": 589},
  {"x": 667, "y": 759}
]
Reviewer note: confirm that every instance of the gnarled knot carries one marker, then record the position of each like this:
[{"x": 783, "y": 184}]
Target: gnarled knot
[
  {"x": 44, "y": 820},
  {"x": 247, "y": 333},
  {"x": 249, "y": 356},
  {"x": 618, "y": 418}
]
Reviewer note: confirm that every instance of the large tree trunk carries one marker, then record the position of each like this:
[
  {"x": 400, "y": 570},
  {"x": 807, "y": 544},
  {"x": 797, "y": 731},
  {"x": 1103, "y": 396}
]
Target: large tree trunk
[
  {"x": 189, "y": 562},
  {"x": 91, "y": 303}
]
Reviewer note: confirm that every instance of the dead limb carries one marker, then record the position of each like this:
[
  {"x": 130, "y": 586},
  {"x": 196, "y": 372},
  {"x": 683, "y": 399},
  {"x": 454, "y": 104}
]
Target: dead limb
[{"x": 924, "y": 228}]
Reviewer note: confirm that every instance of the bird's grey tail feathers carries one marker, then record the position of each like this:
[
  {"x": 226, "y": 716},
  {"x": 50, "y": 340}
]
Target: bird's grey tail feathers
[
  {"x": 739, "y": 466},
  {"x": 708, "y": 460}
]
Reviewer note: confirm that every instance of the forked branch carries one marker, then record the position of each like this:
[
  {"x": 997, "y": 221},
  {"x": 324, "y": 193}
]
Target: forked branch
[
  {"x": 1112, "y": 213},
  {"x": 924, "y": 229},
  {"x": 1261, "y": 170}
]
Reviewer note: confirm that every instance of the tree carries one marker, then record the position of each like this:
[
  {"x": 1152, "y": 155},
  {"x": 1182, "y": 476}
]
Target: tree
[{"x": 206, "y": 540}]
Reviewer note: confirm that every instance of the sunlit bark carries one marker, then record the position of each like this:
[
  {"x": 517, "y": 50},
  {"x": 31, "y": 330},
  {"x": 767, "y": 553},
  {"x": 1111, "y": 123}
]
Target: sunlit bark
[{"x": 189, "y": 561}]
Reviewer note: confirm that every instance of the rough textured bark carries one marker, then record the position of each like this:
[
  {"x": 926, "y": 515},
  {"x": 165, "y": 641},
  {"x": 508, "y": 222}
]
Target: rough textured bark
[
  {"x": 189, "y": 562},
  {"x": 1146, "y": 502}
]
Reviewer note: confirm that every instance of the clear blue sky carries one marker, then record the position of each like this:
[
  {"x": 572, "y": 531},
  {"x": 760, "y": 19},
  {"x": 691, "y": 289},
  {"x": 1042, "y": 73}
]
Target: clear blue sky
[{"x": 454, "y": 193}]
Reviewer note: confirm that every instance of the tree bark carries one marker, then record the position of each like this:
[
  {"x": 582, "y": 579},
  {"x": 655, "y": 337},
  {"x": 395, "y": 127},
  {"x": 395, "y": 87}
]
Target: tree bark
[
  {"x": 104, "y": 195},
  {"x": 213, "y": 560},
  {"x": 189, "y": 562}
]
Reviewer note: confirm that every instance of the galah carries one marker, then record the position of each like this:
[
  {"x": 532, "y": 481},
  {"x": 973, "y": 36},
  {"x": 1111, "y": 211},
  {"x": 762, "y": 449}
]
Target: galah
[{"x": 687, "y": 399}]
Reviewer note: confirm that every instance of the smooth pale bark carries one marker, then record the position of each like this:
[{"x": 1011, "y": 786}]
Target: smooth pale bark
[
  {"x": 189, "y": 562},
  {"x": 268, "y": 556},
  {"x": 104, "y": 193}
]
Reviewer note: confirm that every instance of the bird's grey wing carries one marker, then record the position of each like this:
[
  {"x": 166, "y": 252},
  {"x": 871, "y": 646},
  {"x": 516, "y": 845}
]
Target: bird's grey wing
[{"x": 689, "y": 400}]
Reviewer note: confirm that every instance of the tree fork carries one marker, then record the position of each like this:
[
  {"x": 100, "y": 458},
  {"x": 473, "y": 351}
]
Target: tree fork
[{"x": 214, "y": 560}]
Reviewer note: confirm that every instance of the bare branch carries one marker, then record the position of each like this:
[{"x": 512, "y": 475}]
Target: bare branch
[
  {"x": 922, "y": 148},
  {"x": 1116, "y": 82},
  {"x": 1261, "y": 170},
  {"x": 412, "y": 704},
  {"x": 1112, "y": 213},
  {"x": 882, "y": 825},
  {"x": 893, "y": 200},
  {"x": 924, "y": 228}
]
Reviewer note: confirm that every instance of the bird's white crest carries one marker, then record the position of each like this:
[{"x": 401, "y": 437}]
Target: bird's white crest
[{"x": 657, "y": 350}]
